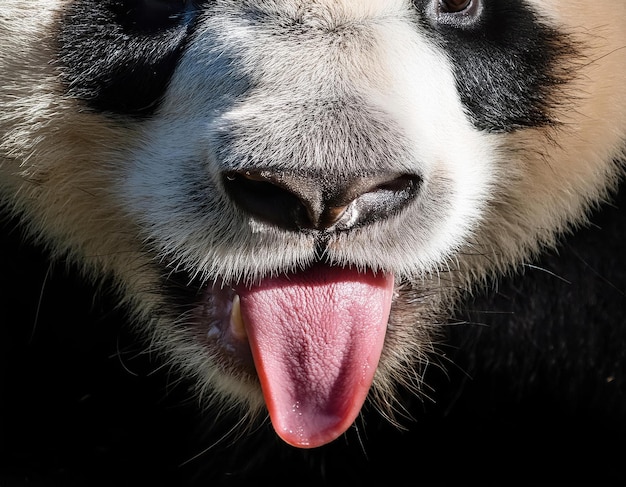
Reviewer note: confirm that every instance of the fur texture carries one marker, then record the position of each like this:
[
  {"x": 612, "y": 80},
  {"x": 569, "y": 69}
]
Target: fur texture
[{"x": 122, "y": 123}]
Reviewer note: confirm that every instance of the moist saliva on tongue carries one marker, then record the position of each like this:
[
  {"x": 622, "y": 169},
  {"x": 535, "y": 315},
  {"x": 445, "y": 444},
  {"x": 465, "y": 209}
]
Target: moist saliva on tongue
[{"x": 316, "y": 337}]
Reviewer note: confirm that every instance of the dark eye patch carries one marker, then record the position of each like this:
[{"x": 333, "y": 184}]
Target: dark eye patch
[
  {"x": 150, "y": 15},
  {"x": 118, "y": 55},
  {"x": 510, "y": 67}
]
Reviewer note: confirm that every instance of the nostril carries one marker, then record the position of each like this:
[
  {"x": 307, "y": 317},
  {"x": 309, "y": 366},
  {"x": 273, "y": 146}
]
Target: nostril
[
  {"x": 260, "y": 195},
  {"x": 404, "y": 184},
  {"x": 397, "y": 189},
  {"x": 380, "y": 197},
  {"x": 296, "y": 202}
]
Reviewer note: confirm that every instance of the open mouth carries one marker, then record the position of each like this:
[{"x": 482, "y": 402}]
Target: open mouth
[{"x": 314, "y": 337}]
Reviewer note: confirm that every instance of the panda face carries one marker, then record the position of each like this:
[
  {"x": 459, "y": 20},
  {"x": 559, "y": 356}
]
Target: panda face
[{"x": 292, "y": 194}]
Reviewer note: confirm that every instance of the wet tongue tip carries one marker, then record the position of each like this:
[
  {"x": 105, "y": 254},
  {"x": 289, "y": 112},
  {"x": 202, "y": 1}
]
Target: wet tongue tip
[
  {"x": 317, "y": 423},
  {"x": 316, "y": 338},
  {"x": 306, "y": 429}
]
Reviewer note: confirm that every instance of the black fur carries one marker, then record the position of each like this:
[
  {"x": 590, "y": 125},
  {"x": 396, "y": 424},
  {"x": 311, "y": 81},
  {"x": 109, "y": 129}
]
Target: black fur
[
  {"x": 505, "y": 62},
  {"x": 557, "y": 326},
  {"x": 118, "y": 55}
]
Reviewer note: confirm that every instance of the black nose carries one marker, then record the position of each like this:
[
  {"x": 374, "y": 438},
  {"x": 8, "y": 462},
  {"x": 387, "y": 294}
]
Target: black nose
[{"x": 320, "y": 201}]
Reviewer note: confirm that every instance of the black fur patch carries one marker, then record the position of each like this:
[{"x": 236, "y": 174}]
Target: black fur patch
[
  {"x": 510, "y": 66},
  {"x": 118, "y": 55}
]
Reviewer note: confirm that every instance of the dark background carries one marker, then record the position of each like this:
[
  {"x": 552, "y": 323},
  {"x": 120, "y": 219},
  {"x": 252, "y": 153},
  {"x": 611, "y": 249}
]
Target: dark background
[{"x": 537, "y": 393}]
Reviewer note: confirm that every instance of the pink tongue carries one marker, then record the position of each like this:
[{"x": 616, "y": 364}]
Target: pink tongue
[{"x": 316, "y": 338}]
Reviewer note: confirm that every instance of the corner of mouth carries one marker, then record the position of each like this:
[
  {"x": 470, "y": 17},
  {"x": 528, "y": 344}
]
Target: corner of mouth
[
  {"x": 210, "y": 314},
  {"x": 219, "y": 323}
]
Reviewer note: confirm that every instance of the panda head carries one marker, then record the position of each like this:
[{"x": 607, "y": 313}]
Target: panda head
[{"x": 290, "y": 195}]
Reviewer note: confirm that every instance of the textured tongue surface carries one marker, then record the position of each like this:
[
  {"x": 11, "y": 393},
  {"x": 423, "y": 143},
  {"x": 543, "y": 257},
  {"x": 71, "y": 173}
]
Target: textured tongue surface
[{"x": 316, "y": 337}]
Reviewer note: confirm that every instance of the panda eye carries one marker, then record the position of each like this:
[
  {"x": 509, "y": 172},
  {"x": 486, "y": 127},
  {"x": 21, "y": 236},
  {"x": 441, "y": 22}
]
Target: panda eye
[
  {"x": 453, "y": 6},
  {"x": 464, "y": 14}
]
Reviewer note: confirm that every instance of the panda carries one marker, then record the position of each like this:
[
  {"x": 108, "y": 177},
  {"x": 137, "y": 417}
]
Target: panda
[{"x": 312, "y": 241}]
